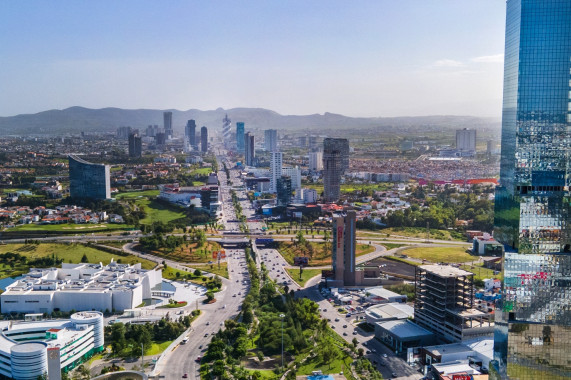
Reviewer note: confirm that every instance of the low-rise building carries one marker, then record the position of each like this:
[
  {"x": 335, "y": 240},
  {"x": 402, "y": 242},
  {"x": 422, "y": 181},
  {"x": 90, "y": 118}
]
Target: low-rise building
[
  {"x": 80, "y": 287},
  {"x": 388, "y": 312},
  {"x": 400, "y": 335}
]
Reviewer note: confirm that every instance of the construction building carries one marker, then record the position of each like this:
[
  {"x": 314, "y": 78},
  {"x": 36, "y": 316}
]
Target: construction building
[
  {"x": 445, "y": 304},
  {"x": 249, "y": 149},
  {"x": 167, "y": 124}
]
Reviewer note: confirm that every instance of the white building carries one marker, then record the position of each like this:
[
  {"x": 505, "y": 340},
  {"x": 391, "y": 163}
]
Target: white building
[
  {"x": 80, "y": 287},
  {"x": 275, "y": 170},
  {"x": 315, "y": 161},
  {"x": 309, "y": 196},
  {"x": 31, "y": 349},
  {"x": 466, "y": 139},
  {"x": 388, "y": 312}
]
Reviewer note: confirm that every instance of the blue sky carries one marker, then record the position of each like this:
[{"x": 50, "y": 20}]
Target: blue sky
[{"x": 358, "y": 58}]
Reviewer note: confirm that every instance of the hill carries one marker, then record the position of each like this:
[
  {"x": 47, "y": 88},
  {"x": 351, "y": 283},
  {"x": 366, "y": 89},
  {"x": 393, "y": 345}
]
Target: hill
[{"x": 78, "y": 119}]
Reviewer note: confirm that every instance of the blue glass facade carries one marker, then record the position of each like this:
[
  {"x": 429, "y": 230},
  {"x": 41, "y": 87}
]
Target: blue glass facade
[
  {"x": 240, "y": 136},
  {"x": 533, "y": 324},
  {"x": 88, "y": 180}
]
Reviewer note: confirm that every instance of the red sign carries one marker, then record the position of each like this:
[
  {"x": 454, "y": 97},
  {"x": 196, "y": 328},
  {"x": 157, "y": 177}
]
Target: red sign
[
  {"x": 339, "y": 236},
  {"x": 462, "y": 377}
]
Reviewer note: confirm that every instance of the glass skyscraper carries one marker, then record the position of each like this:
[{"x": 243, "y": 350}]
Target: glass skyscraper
[{"x": 533, "y": 321}]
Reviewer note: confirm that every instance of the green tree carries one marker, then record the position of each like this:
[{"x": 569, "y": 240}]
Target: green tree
[{"x": 84, "y": 258}]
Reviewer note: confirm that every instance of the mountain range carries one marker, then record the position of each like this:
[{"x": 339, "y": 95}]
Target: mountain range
[{"x": 77, "y": 119}]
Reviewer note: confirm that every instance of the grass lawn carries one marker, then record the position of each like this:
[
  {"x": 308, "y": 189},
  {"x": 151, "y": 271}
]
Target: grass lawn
[
  {"x": 321, "y": 255},
  {"x": 173, "y": 305},
  {"x": 440, "y": 254},
  {"x": 213, "y": 268},
  {"x": 158, "y": 348},
  {"x": 481, "y": 273},
  {"x": 201, "y": 171},
  {"x": 316, "y": 363},
  {"x": 188, "y": 254},
  {"x": 158, "y": 212},
  {"x": 70, "y": 253},
  {"x": 305, "y": 275},
  {"x": 79, "y": 228},
  {"x": 265, "y": 374},
  {"x": 137, "y": 194},
  {"x": 419, "y": 232},
  {"x": 396, "y": 258}
]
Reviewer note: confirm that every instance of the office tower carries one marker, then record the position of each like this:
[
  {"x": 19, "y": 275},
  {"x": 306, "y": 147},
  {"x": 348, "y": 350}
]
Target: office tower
[
  {"x": 160, "y": 138},
  {"x": 271, "y": 140},
  {"x": 466, "y": 139},
  {"x": 249, "y": 149},
  {"x": 335, "y": 162},
  {"x": 312, "y": 141},
  {"x": 302, "y": 141},
  {"x": 135, "y": 145},
  {"x": 204, "y": 139},
  {"x": 295, "y": 176},
  {"x": 446, "y": 293},
  {"x": 190, "y": 132},
  {"x": 227, "y": 131},
  {"x": 275, "y": 169},
  {"x": 240, "y": 137},
  {"x": 88, "y": 180},
  {"x": 123, "y": 132},
  {"x": 344, "y": 243},
  {"x": 167, "y": 121},
  {"x": 283, "y": 190},
  {"x": 152, "y": 130},
  {"x": 533, "y": 322},
  {"x": 315, "y": 161}
]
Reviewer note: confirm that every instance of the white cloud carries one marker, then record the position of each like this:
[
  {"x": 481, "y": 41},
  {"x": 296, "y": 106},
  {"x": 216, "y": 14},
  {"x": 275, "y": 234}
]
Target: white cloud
[
  {"x": 447, "y": 63},
  {"x": 496, "y": 58}
]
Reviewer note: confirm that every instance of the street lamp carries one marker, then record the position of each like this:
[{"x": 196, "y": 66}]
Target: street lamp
[{"x": 282, "y": 317}]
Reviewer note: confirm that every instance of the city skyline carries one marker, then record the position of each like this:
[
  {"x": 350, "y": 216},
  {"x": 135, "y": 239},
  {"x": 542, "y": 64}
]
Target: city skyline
[{"x": 297, "y": 58}]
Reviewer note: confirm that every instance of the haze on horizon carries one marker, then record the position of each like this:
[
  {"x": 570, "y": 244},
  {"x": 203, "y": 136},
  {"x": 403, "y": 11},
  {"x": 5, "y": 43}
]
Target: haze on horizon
[{"x": 364, "y": 58}]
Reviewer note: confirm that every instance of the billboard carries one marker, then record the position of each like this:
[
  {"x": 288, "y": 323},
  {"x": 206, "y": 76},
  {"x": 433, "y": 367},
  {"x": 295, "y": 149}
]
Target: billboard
[
  {"x": 300, "y": 260},
  {"x": 339, "y": 236}
]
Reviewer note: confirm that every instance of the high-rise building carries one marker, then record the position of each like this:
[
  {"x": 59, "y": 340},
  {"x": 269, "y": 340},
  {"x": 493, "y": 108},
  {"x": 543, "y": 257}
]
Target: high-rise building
[
  {"x": 271, "y": 140},
  {"x": 167, "y": 120},
  {"x": 344, "y": 239},
  {"x": 315, "y": 161},
  {"x": 123, "y": 132},
  {"x": 275, "y": 169},
  {"x": 160, "y": 138},
  {"x": 204, "y": 139},
  {"x": 283, "y": 190},
  {"x": 249, "y": 149},
  {"x": 532, "y": 208},
  {"x": 190, "y": 133},
  {"x": 135, "y": 145},
  {"x": 240, "y": 137},
  {"x": 335, "y": 162},
  {"x": 88, "y": 180},
  {"x": 152, "y": 130},
  {"x": 466, "y": 139},
  {"x": 227, "y": 131}
]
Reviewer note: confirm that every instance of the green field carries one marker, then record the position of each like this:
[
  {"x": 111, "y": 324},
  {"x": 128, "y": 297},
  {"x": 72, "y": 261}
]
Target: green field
[
  {"x": 69, "y": 253},
  {"x": 137, "y": 194},
  {"x": 389, "y": 246},
  {"x": 213, "y": 268},
  {"x": 440, "y": 254},
  {"x": 201, "y": 171},
  {"x": 418, "y": 232},
  {"x": 481, "y": 273},
  {"x": 305, "y": 275},
  {"x": 158, "y": 212}
]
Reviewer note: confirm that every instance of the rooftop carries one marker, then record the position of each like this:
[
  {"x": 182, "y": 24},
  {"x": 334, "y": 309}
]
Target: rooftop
[
  {"x": 445, "y": 270},
  {"x": 404, "y": 328}
]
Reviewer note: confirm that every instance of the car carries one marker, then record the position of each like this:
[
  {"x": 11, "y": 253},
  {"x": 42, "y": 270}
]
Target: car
[
  {"x": 200, "y": 347},
  {"x": 367, "y": 352},
  {"x": 185, "y": 376},
  {"x": 332, "y": 326},
  {"x": 325, "y": 310},
  {"x": 355, "y": 332},
  {"x": 394, "y": 374},
  {"x": 336, "y": 319},
  {"x": 208, "y": 323},
  {"x": 198, "y": 358},
  {"x": 205, "y": 335},
  {"x": 374, "y": 351},
  {"x": 234, "y": 295},
  {"x": 344, "y": 334},
  {"x": 344, "y": 326},
  {"x": 385, "y": 355}
]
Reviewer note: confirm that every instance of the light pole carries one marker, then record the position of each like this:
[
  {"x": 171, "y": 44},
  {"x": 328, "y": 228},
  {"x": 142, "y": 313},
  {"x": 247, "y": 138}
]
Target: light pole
[{"x": 282, "y": 317}]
